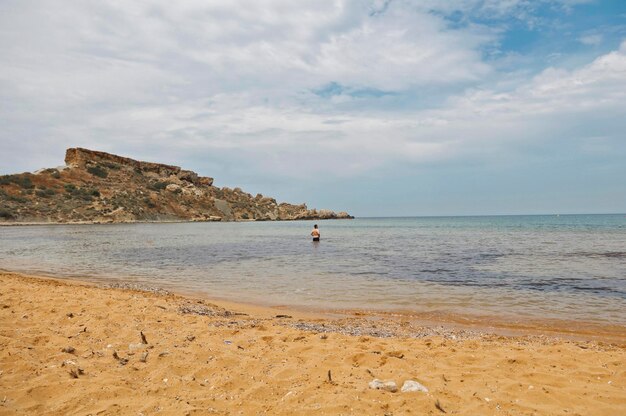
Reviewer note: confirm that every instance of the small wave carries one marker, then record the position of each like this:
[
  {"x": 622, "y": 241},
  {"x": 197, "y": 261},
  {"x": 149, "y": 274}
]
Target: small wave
[{"x": 606, "y": 254}]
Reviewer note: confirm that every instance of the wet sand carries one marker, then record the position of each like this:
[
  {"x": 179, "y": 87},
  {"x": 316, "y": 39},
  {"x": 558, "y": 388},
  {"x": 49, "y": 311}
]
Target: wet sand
[{"x": 76, "y": 348}]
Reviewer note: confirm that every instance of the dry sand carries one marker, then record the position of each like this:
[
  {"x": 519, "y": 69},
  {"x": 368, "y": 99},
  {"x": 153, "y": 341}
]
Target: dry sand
[{"x": 74, "y": 348}]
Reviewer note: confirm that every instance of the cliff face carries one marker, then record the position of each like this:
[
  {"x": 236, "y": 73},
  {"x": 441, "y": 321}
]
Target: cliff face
[{"x": 101, "y": 187}]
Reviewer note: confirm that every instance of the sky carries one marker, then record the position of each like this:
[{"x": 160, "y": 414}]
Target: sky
[{"x": 378, "y": 108}]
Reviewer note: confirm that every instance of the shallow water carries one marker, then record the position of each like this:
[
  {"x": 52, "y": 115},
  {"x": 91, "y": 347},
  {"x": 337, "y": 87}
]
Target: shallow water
[{"x": 569, "y": 267}]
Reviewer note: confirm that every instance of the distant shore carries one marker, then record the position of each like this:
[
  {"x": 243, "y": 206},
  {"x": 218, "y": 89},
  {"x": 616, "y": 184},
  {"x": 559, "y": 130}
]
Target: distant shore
[
  {"x": 75, "y": 347},
  {"x": 181, "y": 221}
]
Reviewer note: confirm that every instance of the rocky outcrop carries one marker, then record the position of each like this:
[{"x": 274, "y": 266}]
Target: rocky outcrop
[
  {"x": 101, "y": 187},
  {"x": 78, "y": 157}
]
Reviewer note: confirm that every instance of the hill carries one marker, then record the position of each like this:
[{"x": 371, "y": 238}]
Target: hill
[{"x": 98, "y": 187}]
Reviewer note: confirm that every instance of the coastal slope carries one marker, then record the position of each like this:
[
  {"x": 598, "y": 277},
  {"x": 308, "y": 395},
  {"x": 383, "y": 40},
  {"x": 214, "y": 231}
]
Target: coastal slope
[{"x": 101, "y": 187}]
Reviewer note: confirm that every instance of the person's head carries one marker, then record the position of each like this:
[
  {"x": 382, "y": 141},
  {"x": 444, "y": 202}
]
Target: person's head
[{"x": 315, "y": 226}]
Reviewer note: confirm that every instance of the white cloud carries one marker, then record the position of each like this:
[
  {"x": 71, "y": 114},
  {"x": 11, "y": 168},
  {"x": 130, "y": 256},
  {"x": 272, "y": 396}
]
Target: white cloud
[
  {"x": 591, "y": 39},
  {"x": 234, "y": 80}
]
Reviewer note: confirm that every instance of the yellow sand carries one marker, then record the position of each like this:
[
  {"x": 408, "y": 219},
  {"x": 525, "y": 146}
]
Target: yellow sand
[{"x": 259, "y": 364}]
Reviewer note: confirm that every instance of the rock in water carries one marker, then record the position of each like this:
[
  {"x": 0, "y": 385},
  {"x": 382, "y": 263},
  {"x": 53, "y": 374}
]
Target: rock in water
[
  {"x": 389, "y": 385},
  {"x": 411, "y": 385}
]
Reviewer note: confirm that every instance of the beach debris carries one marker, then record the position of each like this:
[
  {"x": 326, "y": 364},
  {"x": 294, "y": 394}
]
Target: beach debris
[
  {"x": 330, "y": 377},
  {"x": 190, "y": 338},
  {"x": 73, "y": 373},
  {"x": 195, "y": 309},
  {"x": 388, "y": 385},
  {"x": 443, "y": 376},
  {"x": 370, "y": 372},
  {"x": 122, "y": 361},
  {"x": 69, "y": 350},
  {"x": 138, "y": 287},
  {"x": 396, "y": 354},
  {"x": 227, "y": 342},
  {"x": 410, "y": 385},
  {"x": 137, "y": 346},
  {"x": 143, "y": 338},
  {"x": 67, "y": 363},
  {"x": 164, "y": 353},
  {"x": 323, "y": 336},
  {"x": 283, "y": 316},
  {"x": 144, "y": 357},
  {"x": 239, "y": 347},
  {"x": 439, "y": 407},
  {"x": 69, "y": 315}
]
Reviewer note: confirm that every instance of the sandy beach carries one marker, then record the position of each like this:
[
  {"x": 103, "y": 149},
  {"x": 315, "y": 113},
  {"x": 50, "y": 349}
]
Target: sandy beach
[{"x": 71, "y": 347}]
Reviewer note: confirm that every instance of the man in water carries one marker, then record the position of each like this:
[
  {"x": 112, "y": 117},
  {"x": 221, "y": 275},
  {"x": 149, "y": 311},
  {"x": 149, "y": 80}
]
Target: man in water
[{"x": 315, "y": 233}]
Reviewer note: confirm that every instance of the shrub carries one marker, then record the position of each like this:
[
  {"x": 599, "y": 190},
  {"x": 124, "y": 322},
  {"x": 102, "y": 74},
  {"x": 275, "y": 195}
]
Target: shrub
[
  {"x": 98, "y": 171},
  {"x": 80, "y": 193},
  {"x": 158, "y": 186},
  {"x": 111, "y": 165},
  {"x": 22, "y": 181},
  {"x": 45, "y": 193},
  {"x": 6, "y": 214},
  {"x": 149, "y": 203},
  {"x": 16, "y": 198}
]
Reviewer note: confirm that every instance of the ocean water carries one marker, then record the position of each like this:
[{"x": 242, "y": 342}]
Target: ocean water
[{"x": 570, "y": 267}]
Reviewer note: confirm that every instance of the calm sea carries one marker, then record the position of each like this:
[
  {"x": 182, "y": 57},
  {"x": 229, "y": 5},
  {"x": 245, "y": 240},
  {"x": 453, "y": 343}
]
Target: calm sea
[{"x": 564, "y": 267}]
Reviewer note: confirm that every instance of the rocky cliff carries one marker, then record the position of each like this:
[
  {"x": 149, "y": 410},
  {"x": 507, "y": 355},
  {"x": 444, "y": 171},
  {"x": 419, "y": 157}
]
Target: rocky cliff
[{"x": 101, "y": 187}]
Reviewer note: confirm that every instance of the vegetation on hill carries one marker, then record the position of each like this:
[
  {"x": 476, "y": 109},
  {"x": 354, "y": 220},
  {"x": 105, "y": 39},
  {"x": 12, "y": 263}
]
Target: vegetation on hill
[{"x": 101, "y": 187}]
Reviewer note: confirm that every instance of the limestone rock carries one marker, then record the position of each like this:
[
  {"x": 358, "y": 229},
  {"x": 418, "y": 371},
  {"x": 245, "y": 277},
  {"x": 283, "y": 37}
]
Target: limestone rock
[
  {"x": 410, "y": 385},
  {"x": 172, "y": 187},
  {"x": 388, "y": 385}
]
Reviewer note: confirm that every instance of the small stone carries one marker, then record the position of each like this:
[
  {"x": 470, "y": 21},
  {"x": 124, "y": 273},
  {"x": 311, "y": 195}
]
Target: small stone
[
  {"x": 411, "y": 385},
  {"x": 69, "y": 350},
  {"x": 137, "y": 346},
  {"x": 389, "y": 385}
]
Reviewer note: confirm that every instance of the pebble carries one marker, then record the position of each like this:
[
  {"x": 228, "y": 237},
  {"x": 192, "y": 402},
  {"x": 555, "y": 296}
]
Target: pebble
[
  {"x": 137, "y": 346},
  {"x": 411, "y": 385},
  {"x": 390, "y": 385}
]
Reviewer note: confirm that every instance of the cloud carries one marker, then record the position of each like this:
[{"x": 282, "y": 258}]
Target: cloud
[
  {"x": 591, "y": 39},
  {"x": 281, "y": 89}
]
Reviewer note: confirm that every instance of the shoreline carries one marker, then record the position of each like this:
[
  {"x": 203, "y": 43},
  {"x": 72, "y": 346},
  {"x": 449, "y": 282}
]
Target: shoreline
[
  {"x": 447, "y": 321},
  {"x": 75, "y": 347},
  {"x": 180, "y": 221}
]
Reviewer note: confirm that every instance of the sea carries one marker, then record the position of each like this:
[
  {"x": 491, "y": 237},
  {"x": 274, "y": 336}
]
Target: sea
[{"x": 563, "y": 267}]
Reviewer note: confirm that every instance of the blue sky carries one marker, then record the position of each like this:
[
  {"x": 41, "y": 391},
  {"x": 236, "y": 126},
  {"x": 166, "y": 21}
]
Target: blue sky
[{"x": 378, "y": 108}]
